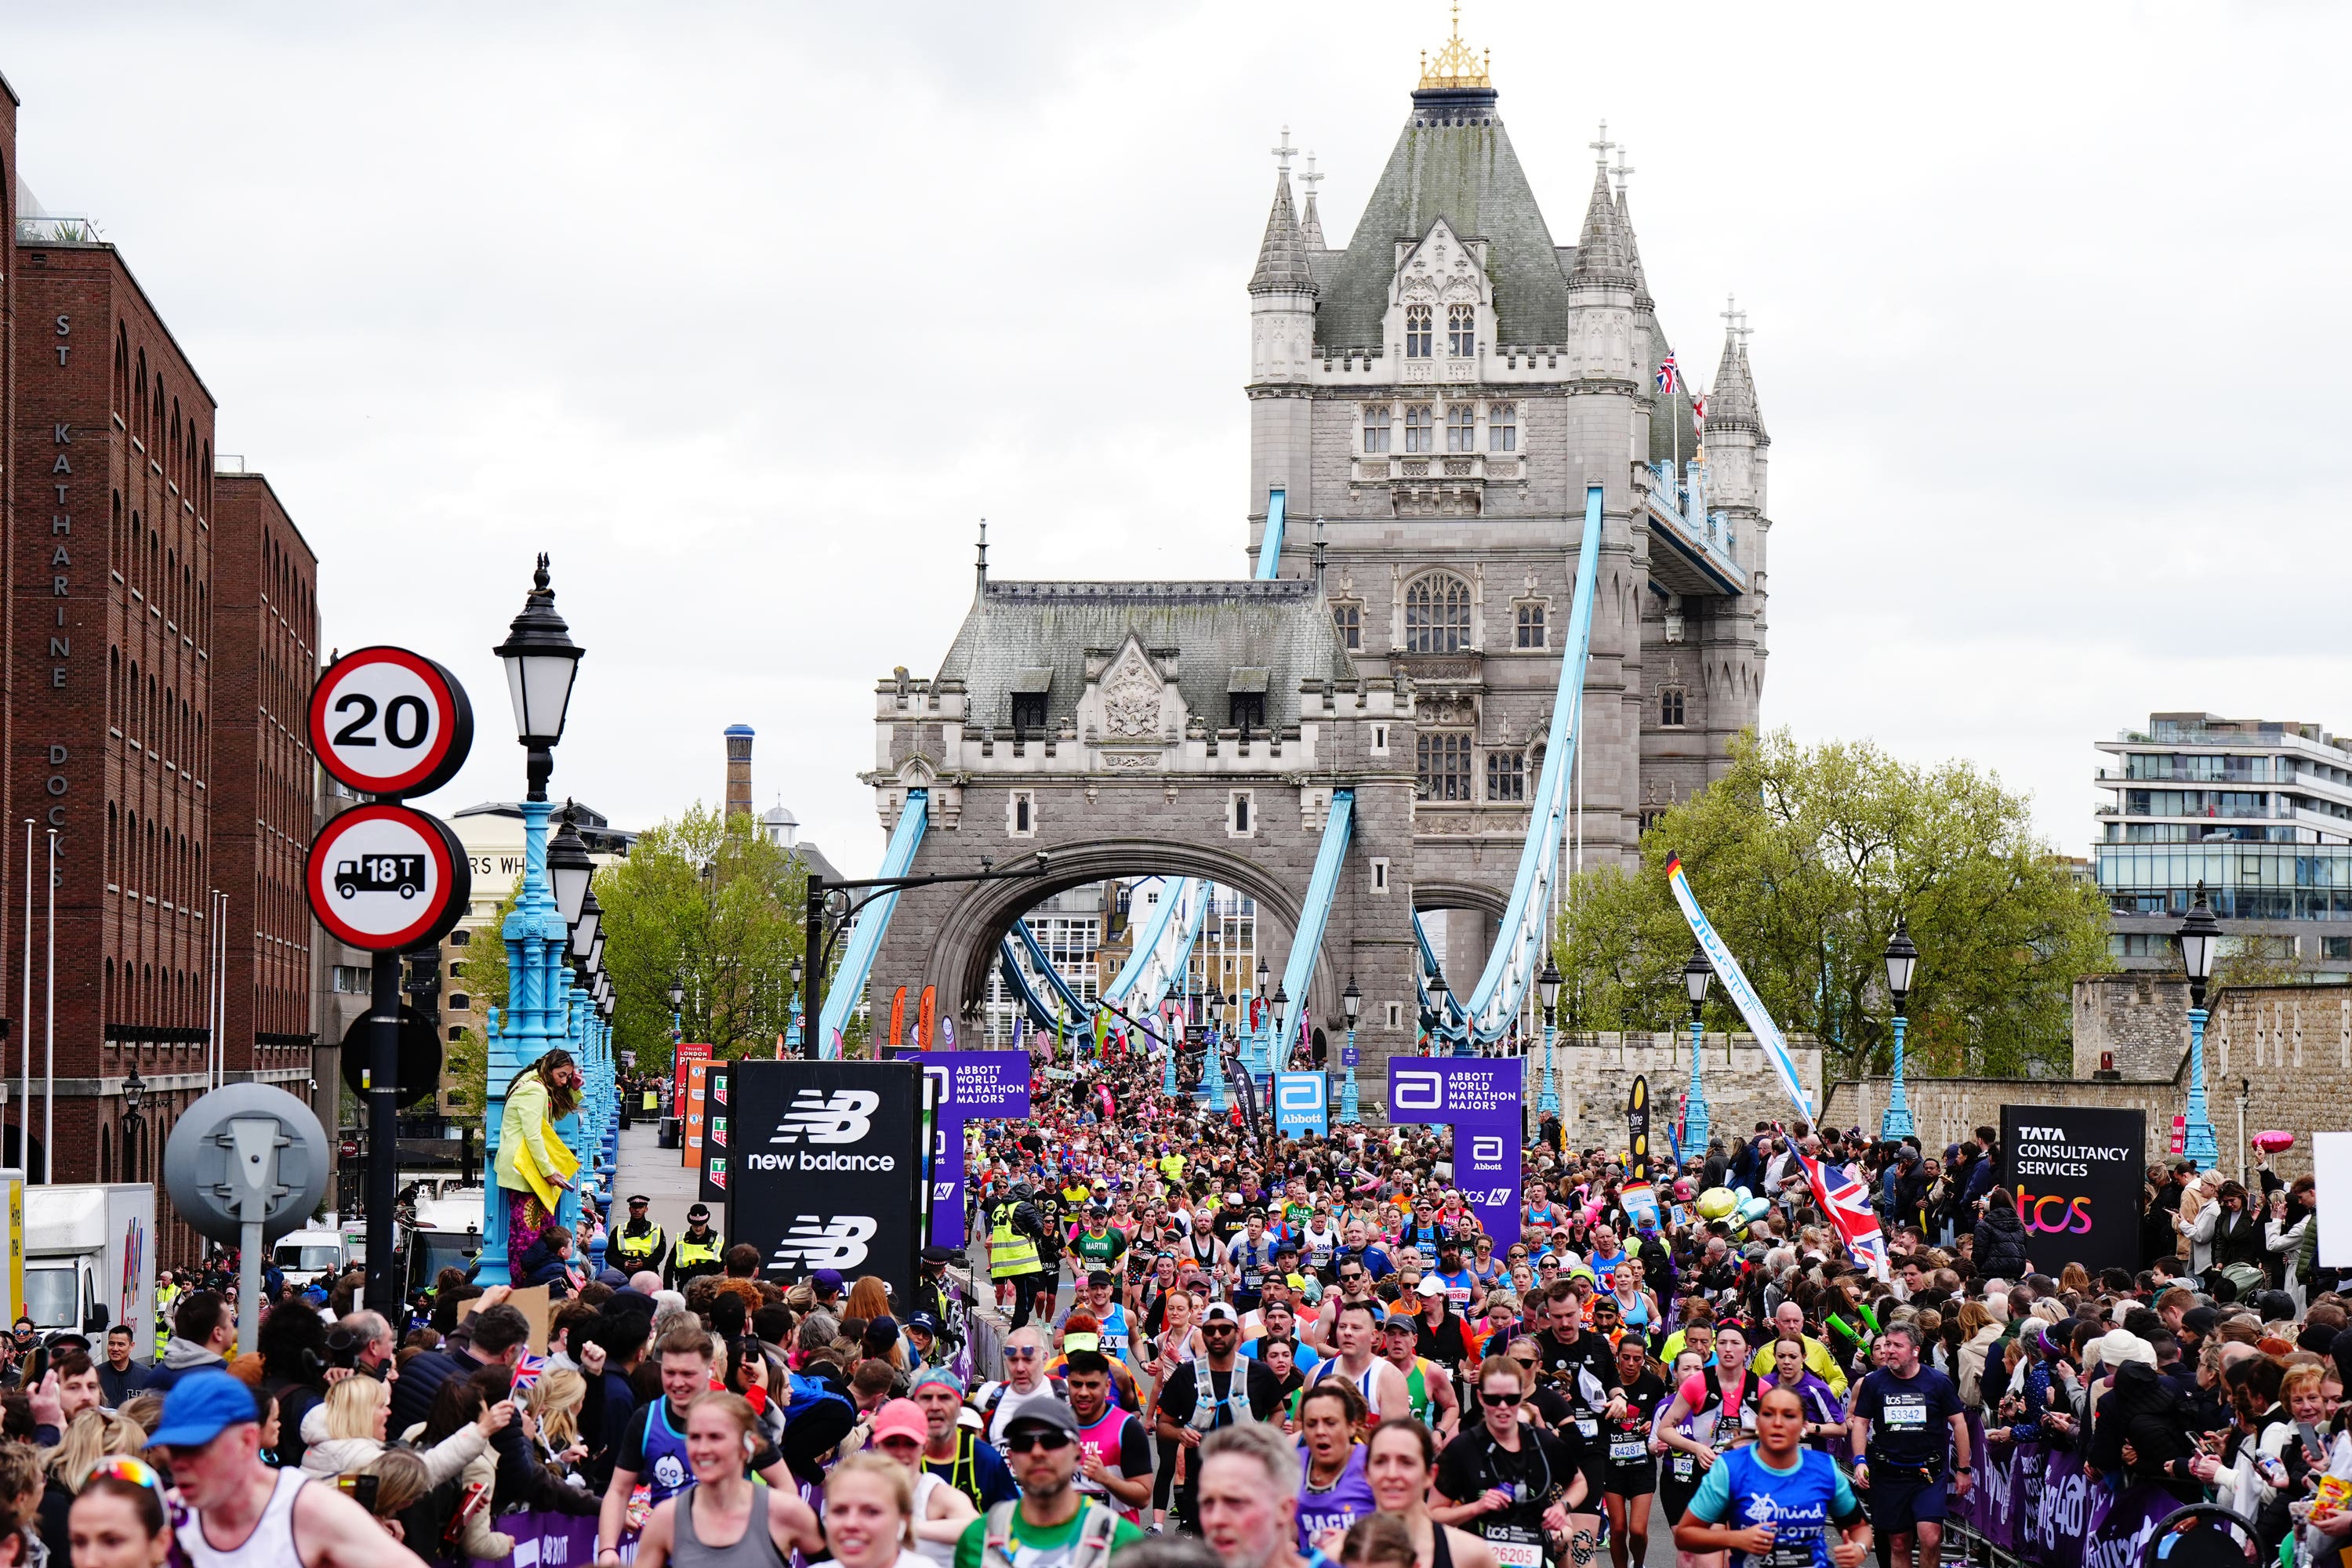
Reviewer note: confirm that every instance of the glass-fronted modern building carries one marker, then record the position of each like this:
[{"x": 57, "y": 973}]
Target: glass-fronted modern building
[{"x": 2259, "y": 813}]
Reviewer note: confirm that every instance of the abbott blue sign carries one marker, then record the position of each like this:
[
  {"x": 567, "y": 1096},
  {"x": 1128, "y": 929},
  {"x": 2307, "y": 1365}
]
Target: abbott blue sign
[{"x": 1302, "y": 1103}]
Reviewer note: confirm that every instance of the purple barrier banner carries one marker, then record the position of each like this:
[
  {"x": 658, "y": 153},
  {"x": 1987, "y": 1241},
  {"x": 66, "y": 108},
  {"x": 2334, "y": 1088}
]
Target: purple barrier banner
[
  {"x": 973, "y": 1086},
  {"x": 551, "y": 1539},
  {"x": 1479, "y": 1098},
  {"x": 2040, "y": 1503}
]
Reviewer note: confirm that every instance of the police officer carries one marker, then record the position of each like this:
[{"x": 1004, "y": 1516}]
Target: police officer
[
  {"x": 696, "y": 1251},
  {"x": 639, "y": 1243},
  {"x": 1015, "y": 1227}
]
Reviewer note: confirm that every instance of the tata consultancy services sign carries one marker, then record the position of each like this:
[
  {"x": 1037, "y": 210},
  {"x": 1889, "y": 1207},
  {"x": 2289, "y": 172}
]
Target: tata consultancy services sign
[
  {"x": 2076, "y": 1176},
  {"x": 827, "y": 1167}
]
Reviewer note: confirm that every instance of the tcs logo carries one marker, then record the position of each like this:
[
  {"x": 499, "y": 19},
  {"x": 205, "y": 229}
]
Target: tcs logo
[{"x": 2073, "y": 1217}]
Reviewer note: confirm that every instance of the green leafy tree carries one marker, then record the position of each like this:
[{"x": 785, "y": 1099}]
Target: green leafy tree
[
  {"x": 708, "y": 899},
  {"x": 467, "y": 1059},
  {"x": 1804, "y": 858}
]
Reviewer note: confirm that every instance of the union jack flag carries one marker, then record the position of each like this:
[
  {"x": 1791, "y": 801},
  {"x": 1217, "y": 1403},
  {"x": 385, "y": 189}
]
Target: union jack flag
[
  {"x": 1667, "y": 375},
  {"x": 527, "y": 1372},
  {"x": 1847, "y": 1202}
]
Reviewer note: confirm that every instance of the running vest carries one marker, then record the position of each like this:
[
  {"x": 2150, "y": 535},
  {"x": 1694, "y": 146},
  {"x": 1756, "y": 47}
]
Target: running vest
[
  {"x": 1253, "y": 1261},
  {"x": 667, "y": 1471},
  {"x": 1798, "y": 1504},
  {"x": 1101, "y": 1439},
  {"x": 1416, "y": 1388},
  {"x": 271, "y": 1543},
  {"x": 1731, "y": 1424},
  {"x": 1319, "y": 1247},
  {"x": 1233, "y": 1409},
  {"x": 1009, "y": 1253},
  {"x": 1347, "y": 1499}
]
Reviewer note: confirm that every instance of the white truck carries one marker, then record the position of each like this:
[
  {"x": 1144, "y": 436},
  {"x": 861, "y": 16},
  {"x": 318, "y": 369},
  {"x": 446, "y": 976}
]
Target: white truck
[{"x": 89, "y": 1258}]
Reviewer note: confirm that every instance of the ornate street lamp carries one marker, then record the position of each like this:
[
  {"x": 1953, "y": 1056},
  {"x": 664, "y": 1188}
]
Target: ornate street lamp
[
  {"x": 585, "y": 933},
  {"x": 2200, "y": 942},
  {"x": 1697, "y": 975},
  {"x": 134, "y": 1126},
  {"x": 1276, "y": 1015},
  {"x": 1548, "y": 988},
  {"x": 1902, "y": 958},
  {"x": 541, "y": 661},
  {"x": 569, "y": 867},
  {"x": 1352, "y": 1003}
]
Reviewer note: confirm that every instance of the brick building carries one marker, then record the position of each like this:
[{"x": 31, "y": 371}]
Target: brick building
[
  {"x": 266, "y": 632},
  {"x": 11, "y": 1148}
]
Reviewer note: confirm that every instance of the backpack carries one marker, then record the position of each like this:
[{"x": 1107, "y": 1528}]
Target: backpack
[
  {"x": 806, "y": 1394},
  {"x": 1092, "y": 1551}
]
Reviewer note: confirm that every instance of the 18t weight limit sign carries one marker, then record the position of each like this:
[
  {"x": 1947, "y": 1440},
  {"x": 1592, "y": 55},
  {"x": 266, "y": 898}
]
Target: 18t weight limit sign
[{"x": 387, "y": 722}]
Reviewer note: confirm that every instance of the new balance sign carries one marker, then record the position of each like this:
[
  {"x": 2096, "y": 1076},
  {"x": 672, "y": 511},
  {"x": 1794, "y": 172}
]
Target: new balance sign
[{"x": 826, "y": 1168}]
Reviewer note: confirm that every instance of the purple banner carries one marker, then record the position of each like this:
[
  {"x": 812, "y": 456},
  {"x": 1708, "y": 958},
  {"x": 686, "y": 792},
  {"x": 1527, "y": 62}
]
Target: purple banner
[
  {"x": 973, "y": 1086},
  {"x": 2039, "y": 1503},
  {"x": 544, "y": 1538},
  {"x": 1479, "y": 1099}
]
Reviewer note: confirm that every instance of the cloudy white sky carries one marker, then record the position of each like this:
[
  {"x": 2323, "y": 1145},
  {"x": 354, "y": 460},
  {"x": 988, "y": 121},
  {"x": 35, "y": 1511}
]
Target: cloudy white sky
[{"x": 747, "y": 313}]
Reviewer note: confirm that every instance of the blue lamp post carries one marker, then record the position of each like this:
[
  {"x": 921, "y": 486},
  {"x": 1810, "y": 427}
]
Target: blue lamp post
[
  {"x": 541, "y": 661},
  {"x": 1697, "y": 975},
  {"x": 1278, "y": 1052},
  {"x": 1438, "y": 993},
  {"x": 793, "y": 1031},
  {"x": 1351, "y": 1002},
  {"x": 1548, "y": 988},
  {"x": 1260, "y": 1035},
  {"x": 2200, "y": 944},
  {"x": 1902, "y": 958},
  {"x": 1216, "y": 1067}
]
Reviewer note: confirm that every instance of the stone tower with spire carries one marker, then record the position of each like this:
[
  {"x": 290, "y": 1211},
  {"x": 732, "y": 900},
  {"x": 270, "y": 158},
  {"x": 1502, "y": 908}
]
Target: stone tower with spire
[{"x": 1434, "y": 397}]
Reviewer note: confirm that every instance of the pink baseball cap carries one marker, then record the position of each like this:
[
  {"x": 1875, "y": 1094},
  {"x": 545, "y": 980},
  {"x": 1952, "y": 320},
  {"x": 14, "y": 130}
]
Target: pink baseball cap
[{"x": 901, "y": 1419}]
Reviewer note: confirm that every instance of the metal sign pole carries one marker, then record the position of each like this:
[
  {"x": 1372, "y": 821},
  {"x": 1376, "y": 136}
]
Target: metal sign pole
[{"x": 384, "y": 1287}]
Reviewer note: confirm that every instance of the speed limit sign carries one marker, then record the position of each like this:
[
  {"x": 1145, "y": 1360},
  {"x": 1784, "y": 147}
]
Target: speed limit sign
[
  {"x": 390, "y": 722},
  {"x": 387, "y": 878}
]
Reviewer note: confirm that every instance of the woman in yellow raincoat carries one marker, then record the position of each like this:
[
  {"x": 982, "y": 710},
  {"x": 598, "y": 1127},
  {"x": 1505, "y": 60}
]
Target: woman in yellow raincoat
[{"x": 535, "y": 1167}]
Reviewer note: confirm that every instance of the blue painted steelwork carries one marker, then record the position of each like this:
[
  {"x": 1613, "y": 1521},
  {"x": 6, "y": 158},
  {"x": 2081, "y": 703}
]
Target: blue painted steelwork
[
  {"x": 1427, "y": 967},
  {"x": 1016, "y": 980},
  {"x": 1269, "y": 546},
  {"x": 1520, "y": 945},
  {"x": 1078, "y": 1011},
  {"x": 1338, "y": 826},
  {"x": 847, "y": 987},
  {"x": 1160, "y": 954}
]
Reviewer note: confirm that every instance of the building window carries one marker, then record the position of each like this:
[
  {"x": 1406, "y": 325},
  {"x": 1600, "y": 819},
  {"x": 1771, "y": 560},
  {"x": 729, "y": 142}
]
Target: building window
[
  {"x": 1506, "y": 775},
  {"x": 1652, "y": 818},
  {"x": 353, "y": 980},
  {"x": 1380, "y": 740},
  {"x": 1441, "y": 766},
  {"x": 1380, "y": 873},
  {"x": 2338, "y": 947},
  {"x": 1416, "y": 331},
  {"x": 1241, "y": 822},
  {"x": 1028, "y": 712},
  {"x": 1376, "y": 428},
  {"x": 1417, "y": 431},
  {"x": 459, "y": 1002},
  {"x": 1461, "y": 428},
  {"x": 1350, "y": 618},
  {"x": 1531, "y": 625},
  {"x": 1247, "y": 711},
  {"x": 1502, "y": 427},
  {"x": 1437, "y": 615},
  {"x": 1395, "y": 1014},
  {"x": 1462, "y": 330},
  {"x": 461, "y": 937},
  {"x": 1670, "y": 707},
  {"x": 1020, "y": 813}
]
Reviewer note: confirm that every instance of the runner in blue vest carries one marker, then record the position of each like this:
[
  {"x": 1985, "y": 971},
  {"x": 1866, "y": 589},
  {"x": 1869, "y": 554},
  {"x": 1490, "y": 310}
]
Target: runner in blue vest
[{"x": 1777, "y": 1503}]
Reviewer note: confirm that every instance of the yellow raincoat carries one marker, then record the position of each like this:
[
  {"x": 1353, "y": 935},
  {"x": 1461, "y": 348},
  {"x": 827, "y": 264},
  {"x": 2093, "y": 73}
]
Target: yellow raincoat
[{"x": 530, "y": 1153}]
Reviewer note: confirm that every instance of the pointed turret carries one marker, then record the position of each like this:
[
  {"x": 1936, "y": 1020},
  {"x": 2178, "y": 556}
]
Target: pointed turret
[
  {"x": 1282, "y": 255},
  {"x": 1755, "y": 411},
  {"x": 1632, "y": 252},
  {"x": 1601, "y": 250},
  {"x": 1311, "y": 227},
  {"x": 1731, "y": 406}
]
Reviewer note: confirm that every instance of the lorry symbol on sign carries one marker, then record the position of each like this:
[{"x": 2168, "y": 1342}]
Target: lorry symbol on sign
[{"x": 401, "y": 874}]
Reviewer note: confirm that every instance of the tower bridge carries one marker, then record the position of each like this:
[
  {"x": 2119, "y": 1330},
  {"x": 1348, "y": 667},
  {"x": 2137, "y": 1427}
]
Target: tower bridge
[{"x": 1478, "y": 479}]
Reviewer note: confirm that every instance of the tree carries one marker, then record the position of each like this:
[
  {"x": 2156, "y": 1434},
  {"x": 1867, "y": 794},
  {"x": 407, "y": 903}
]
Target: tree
[
  {"x": 469, "y": 1057},
  {"x": 708, "y": 899},
  {"x": 1803, "y": 859}
]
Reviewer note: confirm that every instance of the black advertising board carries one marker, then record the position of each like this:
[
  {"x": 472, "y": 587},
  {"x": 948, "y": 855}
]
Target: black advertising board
[
  {"x": 826, "y": 1167},
  {"x": 2076, "y": 1176},
  {"x": 718, "y": 1115}
]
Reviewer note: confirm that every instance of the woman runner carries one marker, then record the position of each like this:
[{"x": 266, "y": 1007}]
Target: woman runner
[{"x": 1629, "y": 1476}]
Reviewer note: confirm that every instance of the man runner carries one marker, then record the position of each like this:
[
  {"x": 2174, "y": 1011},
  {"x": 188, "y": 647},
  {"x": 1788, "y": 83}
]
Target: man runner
[
  {"x": 1052, "y": 1524},
  {"x": 1901, "y": 1414}
]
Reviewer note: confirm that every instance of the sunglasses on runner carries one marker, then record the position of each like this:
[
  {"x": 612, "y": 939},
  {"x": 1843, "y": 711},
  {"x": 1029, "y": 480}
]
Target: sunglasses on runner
[
  {"x": 1019, "y": 1353},
  {"x": 1497, "y": 1401},
  {"x": 1050, "y": 1441}
]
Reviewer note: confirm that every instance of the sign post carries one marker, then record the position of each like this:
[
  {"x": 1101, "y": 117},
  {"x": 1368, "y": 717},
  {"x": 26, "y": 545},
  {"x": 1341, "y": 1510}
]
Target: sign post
[
  {"x": 247, "y": 1163},
  {"x": 1479, "y": 1099},
  {"x": 2078, "y": 1175},
  {"x": 384, "y": 877}
]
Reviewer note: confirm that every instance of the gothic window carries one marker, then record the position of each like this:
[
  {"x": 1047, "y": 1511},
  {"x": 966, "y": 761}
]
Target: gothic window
[
  {"x": 1350, "y": 618},
  {"x": 1437, "y": 615},
  {"x": 1652, "y": 818},
  {"x": 1530, "y": 625},
  {"x": 1248, "y": 711},
  {"x": 1028, "y": 712},
  {"x": 1441, "y": 766},
  {"x": 1416, "y": 331},
  {"x": 1376, "y": 428},
  {"x": 1506, "y": 775},
  {"x": 1461, "y": 428},
  {"x": 1419, "y": 427},
  {"x": 1502, "y": 427},
  {"x": 1462, "y": 330},
  {"x": 1670, "y": 707}
]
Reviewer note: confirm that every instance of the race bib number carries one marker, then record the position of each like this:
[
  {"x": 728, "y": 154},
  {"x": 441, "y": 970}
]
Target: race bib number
[
  {"x": 1590, "y": 1426},
  {"x": 1911, "y": 1414},
  {"x": 1685, "y": 1466},
  {"x": 1515, "y": 1546},
  {"x": 1628, "y": 1450}
]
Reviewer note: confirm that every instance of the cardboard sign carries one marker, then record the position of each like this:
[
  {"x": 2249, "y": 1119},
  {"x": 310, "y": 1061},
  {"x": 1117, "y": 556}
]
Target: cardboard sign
[{"x": 531, "y": 1302}]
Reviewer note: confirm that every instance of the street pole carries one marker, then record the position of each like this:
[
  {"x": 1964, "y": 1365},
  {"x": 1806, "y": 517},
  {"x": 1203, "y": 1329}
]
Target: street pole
[
  {"x": 25, "y": 1096},
  {"x": 385, "y": 1287},
  {"x": 1694, "y": 1119},
  {"x": 2198, "y": 1143},
  {"x": 812, "y": 954},
  {"x": 1895, "y": 1123}
]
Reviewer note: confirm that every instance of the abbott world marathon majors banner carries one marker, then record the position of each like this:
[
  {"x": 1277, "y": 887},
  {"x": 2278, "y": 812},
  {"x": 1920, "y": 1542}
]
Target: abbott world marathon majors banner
[
  {"x": 2076, "y": 1175},
  {"x": 828, "y": 1167}
]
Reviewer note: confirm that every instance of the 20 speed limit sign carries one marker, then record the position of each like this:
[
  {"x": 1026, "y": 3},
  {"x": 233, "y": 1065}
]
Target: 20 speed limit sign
[
  {"x": 388, "y": 721},
  {"x": 388, "y": 878}
]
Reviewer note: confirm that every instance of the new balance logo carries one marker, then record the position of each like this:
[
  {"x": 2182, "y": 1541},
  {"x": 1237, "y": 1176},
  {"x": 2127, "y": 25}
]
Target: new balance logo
[
  {"x": 846, "y": 1116},
  {"x": 815, "y": 1242}
]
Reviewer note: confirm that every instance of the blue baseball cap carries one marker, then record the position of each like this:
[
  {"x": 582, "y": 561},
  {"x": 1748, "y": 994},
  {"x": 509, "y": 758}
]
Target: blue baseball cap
[{"x": 202, "y": 1405}]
